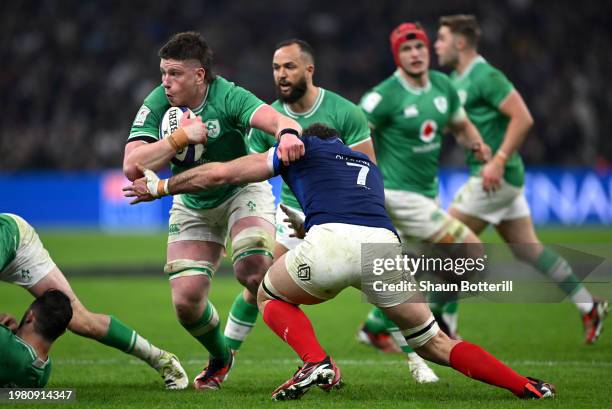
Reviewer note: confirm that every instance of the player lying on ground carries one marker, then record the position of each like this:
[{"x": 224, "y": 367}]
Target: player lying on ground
[
  {"x": 24, "y": 347},
  {"x": 25, "y": 262},
  {"x": 341, "y": 193}
]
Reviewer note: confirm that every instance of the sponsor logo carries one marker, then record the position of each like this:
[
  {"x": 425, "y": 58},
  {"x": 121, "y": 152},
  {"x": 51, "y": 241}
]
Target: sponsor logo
[
  {"x": 371, "y": 101},
  {"x": 252, "y": 206},
  {"x": 462, "y": 96},
  {"x": 25, "y": 274},
  {"x": 411, "y": 111},
  {"x": 304, "y": 272},
  {"x": 428, "y": 131},
  {"x": 173, "y": 229},
  {"x": 141, "y": 116}
]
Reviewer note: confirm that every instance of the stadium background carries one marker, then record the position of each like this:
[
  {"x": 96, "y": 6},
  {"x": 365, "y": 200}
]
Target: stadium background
[{"x": 73, "y": 75}]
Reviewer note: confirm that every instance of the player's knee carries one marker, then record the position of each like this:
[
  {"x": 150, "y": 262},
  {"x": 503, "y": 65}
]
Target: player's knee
[
  {"x": 251, "y": 270},
  {"x": 83, "y": 322},
  {"x": 250, "y": 241},
  {"x": 453, "y": 232},
  {"x": 186, "y": 305}
]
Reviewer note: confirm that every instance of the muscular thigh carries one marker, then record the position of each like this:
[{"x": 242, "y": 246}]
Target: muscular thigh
[
  {"x": 32, "y": 261},
  {"x": 415, "y": 216}
]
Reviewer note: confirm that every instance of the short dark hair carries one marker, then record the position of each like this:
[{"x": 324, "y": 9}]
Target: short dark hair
[
  {"x": 464, "y": 24},
  {"x": 189, "y": 45},
  {"x": 52, "y": 313},
  {"x": 321, "y": 131},
  {"x": 305, "y": 48}
]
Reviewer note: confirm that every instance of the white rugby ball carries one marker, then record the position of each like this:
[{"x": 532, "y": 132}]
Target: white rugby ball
[{"x": 189, "y": 155}]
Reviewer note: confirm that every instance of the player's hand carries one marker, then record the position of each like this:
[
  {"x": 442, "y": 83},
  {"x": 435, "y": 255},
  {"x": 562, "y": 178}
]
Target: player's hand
[
  {"x": 492, "y": 173},
  {"x": 194, "y": 128},
  {"x": 482, "y": 151},
  {"x": 147, "y": 188},
  {"x": 295, "y": 220},
  {"x": 290, "y": 148},
  {"x": 8, "y": 321}
]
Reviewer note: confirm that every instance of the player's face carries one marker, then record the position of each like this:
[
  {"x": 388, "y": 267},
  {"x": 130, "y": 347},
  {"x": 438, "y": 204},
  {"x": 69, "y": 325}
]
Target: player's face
[
  {"x": 414, "y": 57},
  {"x": 291, "y": 73},
  {"x": 181, "y": 81},
  {"x": 447, "y": 52}
]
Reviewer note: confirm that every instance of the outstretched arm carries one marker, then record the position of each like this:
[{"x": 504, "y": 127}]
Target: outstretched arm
[{"x": 247, "y": 169}]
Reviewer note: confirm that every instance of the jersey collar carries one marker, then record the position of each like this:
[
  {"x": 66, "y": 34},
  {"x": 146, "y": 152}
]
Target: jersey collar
[
  {"x": 410, "y": 88},
  {"x": 479, "y": 59},
  {"x": 311, "y": 111},
  {"x": 203, "y": 104}
]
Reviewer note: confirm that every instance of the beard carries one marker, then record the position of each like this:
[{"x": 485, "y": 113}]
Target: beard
[{"x": 297, "y": 91}]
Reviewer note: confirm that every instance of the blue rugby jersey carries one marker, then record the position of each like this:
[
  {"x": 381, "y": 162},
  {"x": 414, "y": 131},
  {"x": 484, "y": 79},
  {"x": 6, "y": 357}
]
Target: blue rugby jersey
[{"x": 334, "y": 184}]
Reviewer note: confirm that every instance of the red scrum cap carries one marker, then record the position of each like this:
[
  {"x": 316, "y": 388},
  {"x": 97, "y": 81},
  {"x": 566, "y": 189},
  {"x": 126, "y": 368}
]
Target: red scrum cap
[{"x": 405, "y": 32}]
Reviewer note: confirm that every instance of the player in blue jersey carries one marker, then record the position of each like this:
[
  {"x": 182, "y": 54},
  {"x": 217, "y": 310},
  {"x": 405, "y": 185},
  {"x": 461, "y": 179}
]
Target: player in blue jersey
[{"x": 341, "y": 193}]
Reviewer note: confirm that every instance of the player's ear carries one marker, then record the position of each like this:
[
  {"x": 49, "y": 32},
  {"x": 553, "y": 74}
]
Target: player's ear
[{"x": 200, "y": 75}]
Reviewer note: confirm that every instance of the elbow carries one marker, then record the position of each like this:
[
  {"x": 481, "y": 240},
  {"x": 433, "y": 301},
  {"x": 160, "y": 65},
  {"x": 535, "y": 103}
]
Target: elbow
[
  {"x": 529, "y": 122},
  {"x": 131, "y": 172}
]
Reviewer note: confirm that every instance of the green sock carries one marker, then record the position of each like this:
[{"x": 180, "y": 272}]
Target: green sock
[
  {"x": 240, "y": 322},
  {"x": 558, "y": 269},
  {"x": 207, "y": 330},
  {"x": 375, "y": 322},
  {"x": 392, "y": 329},
  {"x": 124, "y": 338}
]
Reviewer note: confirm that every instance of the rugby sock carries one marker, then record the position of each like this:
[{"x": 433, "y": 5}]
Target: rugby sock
[
  {"x": 207, "y": 330},
  {"x": 559, "y": 270},
  {"x": 474, "y": 362},
  {"x": 376, "y": 321},
  {"x": 293, "y": 326},
  {"x": 240, "y": 322},
  {"x": 124, "y": 338},
  {"x": 395, "y": 332}
]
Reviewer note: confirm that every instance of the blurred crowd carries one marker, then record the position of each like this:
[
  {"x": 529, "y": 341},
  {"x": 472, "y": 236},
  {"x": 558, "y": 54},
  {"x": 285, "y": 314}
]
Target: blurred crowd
[{"x": 74, "y": 73}]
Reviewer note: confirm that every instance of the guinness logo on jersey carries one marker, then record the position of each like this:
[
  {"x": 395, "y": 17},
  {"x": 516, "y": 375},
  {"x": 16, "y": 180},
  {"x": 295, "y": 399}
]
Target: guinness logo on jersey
[
  {"x": 213, "y": 127},
  {"x": 428, "y": 131},
  {"x": 441, "y": 104}
]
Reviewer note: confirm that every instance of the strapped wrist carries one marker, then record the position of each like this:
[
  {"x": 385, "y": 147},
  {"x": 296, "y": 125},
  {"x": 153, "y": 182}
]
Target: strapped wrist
[
  {"x": 162, "y": 188},
  {"x": 178, "y": 139},
  {"x": 287, "y": 131}
]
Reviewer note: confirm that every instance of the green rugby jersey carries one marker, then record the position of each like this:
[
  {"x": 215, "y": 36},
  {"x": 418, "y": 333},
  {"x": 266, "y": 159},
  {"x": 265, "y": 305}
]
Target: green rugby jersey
[
  {"x": 9, "y": 240},
  {"x": 482, "y": 88},
  {"x": 226, "y": 110},
  {"x": 19, "y": 364},
  {"x": 329, "y": 109},
  {"x": 407, "y": 123}
]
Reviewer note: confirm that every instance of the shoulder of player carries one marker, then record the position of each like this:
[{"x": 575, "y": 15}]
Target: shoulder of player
[
  {"x": 387, "y": 86},
  {"x": 157, "y": 100},
  {"x": 337, "y": 99},
  {"x": 440, "y": 79},
  {"x": 484, "y": 69}
]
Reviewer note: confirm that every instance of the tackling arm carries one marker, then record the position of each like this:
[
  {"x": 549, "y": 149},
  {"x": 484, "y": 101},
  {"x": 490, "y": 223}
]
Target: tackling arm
[
  {"x": 285, "y": 129},
  {"x": 246, "y": 169}
]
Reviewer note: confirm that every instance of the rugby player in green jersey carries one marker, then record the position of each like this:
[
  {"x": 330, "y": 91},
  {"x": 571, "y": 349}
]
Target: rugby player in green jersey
[
  {"x": 25, "y": 262},
  {"x": 494, "y": 192},
  {"x": 293, "y": 68},
  {"x": 408, "y": 112},
  {"x": 24, "y": 347},
  {"x": 200, "y": 222}
]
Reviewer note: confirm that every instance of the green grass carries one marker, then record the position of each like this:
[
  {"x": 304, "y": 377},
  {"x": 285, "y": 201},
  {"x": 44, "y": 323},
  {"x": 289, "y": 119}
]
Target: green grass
[
  {"x": 86, "y": 249},
  {"x": 538, "y": 340}
]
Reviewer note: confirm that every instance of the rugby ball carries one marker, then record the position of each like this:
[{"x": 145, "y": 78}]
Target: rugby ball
[{"x": 189, "y": 155}]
